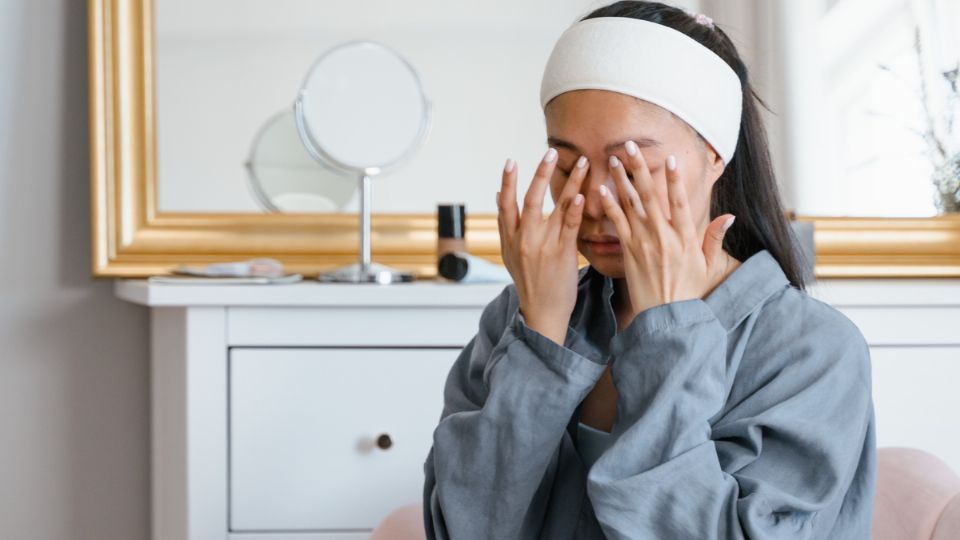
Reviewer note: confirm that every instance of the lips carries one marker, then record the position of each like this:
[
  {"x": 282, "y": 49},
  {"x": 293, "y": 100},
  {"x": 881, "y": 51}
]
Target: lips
[
  {"x": 602, "y": 244},
  {"x": 601, "y": 239}
]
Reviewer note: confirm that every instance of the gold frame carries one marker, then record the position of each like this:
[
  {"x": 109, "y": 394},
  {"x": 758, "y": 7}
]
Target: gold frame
[{"x": 131, "y": 238}]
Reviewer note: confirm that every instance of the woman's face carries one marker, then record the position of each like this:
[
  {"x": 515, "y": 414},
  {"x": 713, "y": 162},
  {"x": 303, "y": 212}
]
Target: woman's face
[{"x": 596, "y": 123}]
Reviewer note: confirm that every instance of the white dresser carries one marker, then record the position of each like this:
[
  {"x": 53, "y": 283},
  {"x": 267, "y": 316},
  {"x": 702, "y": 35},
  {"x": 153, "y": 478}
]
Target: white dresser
[
  {"x": 296, "y": 412},
  {"x": 305, "y": 412}
]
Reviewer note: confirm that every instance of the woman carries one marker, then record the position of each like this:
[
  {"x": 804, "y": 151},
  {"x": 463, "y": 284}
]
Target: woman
[{"x": 683, "y": 384}]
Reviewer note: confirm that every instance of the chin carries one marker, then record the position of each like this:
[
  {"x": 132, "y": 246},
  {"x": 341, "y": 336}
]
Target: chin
[{"x": 608, "y": 265}]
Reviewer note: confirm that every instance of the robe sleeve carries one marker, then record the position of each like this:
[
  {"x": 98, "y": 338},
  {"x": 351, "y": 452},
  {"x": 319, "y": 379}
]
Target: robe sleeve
[
  {"x": 506, "y": 404},
  {"x": 777, "y": 461}
]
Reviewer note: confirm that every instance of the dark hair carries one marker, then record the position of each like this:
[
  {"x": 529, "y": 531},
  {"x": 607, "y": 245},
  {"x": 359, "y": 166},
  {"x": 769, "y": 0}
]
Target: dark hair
[{"x": 747, "y": 188}]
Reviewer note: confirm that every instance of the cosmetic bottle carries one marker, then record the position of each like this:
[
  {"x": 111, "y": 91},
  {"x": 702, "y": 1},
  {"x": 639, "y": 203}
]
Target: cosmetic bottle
[
  {"x": 451, "y": 228},
  {"x": 465, "y": 268}
]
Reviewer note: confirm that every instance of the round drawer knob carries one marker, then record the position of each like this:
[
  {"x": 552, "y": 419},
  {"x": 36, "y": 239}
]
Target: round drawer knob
[{"x": 384, "y": 441}]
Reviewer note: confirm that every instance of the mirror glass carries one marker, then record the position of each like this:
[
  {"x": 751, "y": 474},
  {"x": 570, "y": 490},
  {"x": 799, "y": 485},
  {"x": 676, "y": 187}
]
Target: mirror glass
[
  {"x": 876, "y": 100},
  {"x": 224, "y": 67},
  {"x": 361, "y": 107},
  {"x": 841, "y": 77}
]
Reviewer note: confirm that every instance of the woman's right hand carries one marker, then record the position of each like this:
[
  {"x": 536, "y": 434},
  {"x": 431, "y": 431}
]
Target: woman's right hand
[{"x": 541, "y": 254}]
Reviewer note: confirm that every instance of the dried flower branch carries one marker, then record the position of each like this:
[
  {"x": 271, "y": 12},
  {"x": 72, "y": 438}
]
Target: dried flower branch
[{"x": 932, "y": 140}]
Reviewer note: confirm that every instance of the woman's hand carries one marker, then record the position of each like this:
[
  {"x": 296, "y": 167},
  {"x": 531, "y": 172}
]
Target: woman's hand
[
  {"x": 541, "y": 254},
  {"x": 664, "y": 260}
]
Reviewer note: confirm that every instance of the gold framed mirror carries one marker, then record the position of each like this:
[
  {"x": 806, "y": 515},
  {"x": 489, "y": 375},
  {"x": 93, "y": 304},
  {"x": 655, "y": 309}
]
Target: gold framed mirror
[{"x": 133, "y": 237}]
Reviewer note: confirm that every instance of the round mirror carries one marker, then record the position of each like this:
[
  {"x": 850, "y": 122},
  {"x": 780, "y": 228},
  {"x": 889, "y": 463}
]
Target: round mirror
[
  {"x": 362, "y": 110},
  {"x": 284, "y": 177}
]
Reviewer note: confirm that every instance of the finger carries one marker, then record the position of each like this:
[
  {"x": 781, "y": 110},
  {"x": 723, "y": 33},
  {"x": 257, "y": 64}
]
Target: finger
[
  {"x": 570, "y": 189},
  {"x": 507, "y": 199},
  {"x": 533, "y": 200},
  {"x": 501, "y": 227},
  {"x": 571, "y": 221},
  {"x": 713, "y": 239},
  {"x": 616, "y": 215},
  {"x": 629, "y": 198},
  {"x": 644, "y": 185},
  {"x": 504, "y": 238},
  {"x": 680, "y": 216}
]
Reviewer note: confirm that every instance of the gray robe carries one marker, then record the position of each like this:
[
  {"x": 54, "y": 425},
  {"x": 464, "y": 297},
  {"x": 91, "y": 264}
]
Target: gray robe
[{"x": 747, "y": 414}]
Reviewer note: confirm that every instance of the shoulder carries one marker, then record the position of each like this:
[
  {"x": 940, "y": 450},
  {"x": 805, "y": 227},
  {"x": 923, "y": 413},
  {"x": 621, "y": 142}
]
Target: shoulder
[
  {"x": 796, "y": 333},
  {"x": 814, "y": 319},
  {"x": 806, "y": 316},
  {"x": 801, "y": 360}
]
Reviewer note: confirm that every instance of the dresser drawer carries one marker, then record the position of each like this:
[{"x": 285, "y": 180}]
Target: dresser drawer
[
  {"x": 304, "y": 425},
  {"x": 346, "y": 326}
]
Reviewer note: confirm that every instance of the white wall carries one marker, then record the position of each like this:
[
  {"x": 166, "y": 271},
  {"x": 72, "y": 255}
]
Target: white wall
[{"x": 73, "y": 361}]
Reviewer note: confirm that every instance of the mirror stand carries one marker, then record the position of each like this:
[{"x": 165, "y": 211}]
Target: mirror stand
[{"x": 365, "y": 271}]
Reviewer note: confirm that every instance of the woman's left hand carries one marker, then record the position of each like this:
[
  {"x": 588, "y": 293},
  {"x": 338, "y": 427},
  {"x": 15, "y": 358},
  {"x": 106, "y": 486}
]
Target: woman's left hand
[{"x": 664, "y": 259}]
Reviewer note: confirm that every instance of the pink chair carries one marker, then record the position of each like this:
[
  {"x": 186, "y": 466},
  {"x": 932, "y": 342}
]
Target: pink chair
[
  {"x": 404, "y": 523},
  {"x": 918, "y": 498}
]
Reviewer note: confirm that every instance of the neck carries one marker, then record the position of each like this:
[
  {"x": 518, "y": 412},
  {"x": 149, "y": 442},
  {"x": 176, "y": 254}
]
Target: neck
[{"x": 621, "y": 297}]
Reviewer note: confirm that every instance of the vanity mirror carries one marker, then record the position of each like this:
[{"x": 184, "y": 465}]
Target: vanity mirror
[
  {"x": 179, "y": 89},
  {"x": 363, "y": 110}
]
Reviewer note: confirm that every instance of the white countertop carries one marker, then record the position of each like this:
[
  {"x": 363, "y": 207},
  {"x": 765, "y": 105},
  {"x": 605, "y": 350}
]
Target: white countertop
[
  {"x": 838, "y": 292},
  {"x": 309, "y": 292}
]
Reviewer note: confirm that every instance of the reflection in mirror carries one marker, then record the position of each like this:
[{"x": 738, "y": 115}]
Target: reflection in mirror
[
  {"x": 841, "y": 126},
  {"x": 283, "y": 177},
  {"x": 874, "y": 102},
  {"x": 224, "y": 66}
]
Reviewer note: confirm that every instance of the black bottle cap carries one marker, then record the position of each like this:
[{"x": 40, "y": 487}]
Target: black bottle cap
[
  {"x": 451, "y": 220},
  {"x": 452, "y": 266}
]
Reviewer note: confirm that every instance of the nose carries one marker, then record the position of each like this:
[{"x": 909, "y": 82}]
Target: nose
[{"x": 590, "y": 188}]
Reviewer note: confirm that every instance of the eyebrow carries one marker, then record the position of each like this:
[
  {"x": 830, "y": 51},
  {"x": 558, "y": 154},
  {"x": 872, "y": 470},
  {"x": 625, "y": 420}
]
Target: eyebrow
[{"x": 642, "y": 142}]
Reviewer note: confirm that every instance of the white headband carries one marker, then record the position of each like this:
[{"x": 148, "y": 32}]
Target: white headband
[{"x": 652, "y": 62}]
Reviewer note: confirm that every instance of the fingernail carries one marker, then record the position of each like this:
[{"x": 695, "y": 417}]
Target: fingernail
[
  {"x": 631, "y": 148},
  {"x": 728, "y": 223},
  {"x": 577, "y": 199},
  {"x": 672, "y": 162},
  {"x": 550, "y": 155},
  {"x": 614, "y": 162},
  {"x": 603, "y": 191},
  {"x": 582, "y": 162},
  {"x": 508, "y": 166}
]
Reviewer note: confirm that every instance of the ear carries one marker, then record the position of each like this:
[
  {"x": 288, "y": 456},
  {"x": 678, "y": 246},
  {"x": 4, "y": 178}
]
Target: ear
[{"x": 715, "y": 165}]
